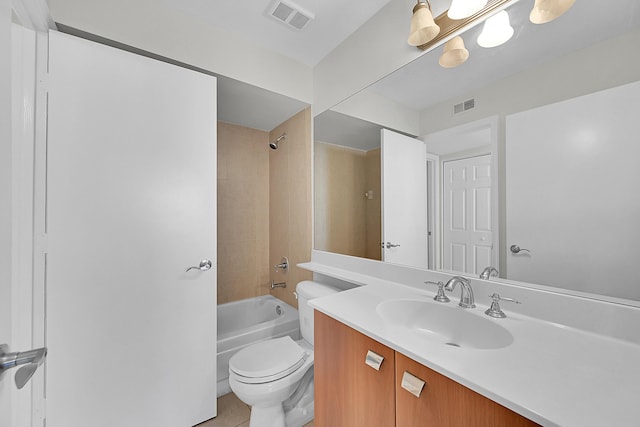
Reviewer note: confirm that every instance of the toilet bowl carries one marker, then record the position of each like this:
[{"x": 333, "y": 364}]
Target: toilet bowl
[{"x": 275, "y": 377}]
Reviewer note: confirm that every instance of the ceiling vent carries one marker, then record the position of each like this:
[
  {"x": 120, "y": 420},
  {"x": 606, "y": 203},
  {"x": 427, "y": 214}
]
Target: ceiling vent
[
  {"x": 467, "y": 105},
  {"x": 290, "y": 14}
]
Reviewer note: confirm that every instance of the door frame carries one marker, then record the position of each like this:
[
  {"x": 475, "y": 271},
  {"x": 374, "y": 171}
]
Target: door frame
[
  {"x": 496, "y": 137},
  {"x": 29, "y": 116},
  {"x": 433, "y": 210}
]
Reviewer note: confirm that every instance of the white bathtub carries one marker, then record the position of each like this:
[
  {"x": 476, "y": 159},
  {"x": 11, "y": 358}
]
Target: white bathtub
[{"x": 244, "y": 322}]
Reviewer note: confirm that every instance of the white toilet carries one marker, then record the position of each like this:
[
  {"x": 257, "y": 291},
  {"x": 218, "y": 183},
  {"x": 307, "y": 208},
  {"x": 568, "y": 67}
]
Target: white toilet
[{"x": 275, "y": 377}]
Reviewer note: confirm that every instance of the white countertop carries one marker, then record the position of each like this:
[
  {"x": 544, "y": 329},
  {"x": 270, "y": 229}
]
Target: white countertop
[{"x": 551, "y": 374}]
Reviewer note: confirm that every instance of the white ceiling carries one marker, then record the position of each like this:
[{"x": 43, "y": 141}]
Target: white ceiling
[
  {"x": 253, "y": 107},
  {"x": 334, "y": 21}
]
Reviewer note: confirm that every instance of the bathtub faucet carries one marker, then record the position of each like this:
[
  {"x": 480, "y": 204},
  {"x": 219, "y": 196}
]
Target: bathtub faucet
[
  {"x": 284, "y": 265},
  {"x": 278, "y": 285}
]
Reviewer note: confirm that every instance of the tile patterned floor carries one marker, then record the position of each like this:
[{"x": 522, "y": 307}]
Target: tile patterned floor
[{"x": 232, "y": 413}]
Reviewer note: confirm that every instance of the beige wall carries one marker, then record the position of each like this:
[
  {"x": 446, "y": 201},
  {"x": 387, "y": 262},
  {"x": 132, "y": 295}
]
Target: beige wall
[
  {"x": 340, "y": 181},
  {"x": 243, "y": 212},
  {"x": 290, "y": 202},
  {"x": 373, "y": 209},
  {"x": 346, "y": 222}
]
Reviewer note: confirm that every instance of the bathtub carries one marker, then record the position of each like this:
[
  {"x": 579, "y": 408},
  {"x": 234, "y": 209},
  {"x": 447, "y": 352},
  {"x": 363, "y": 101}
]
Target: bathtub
[{"x": 244, "y": 322}]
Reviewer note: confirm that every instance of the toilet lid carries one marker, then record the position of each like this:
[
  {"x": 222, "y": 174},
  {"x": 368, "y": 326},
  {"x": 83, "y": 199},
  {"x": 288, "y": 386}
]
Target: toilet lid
[{"x": 268, "y": 360}]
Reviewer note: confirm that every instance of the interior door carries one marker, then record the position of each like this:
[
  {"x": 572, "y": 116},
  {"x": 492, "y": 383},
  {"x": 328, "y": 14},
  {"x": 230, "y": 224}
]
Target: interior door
[
  {"x": 131, "y": 203},
  {"x": 467, "y": 217},
  {"x": 559, "y": 193},
  {"x": 404, "y": 199}
]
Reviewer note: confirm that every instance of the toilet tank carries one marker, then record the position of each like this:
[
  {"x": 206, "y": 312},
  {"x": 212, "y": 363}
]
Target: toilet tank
[{"x": 308, "y": 290}]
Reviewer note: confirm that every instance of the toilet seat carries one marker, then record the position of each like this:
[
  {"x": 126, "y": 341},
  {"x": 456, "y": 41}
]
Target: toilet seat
[{"x": 267, "y": 361}]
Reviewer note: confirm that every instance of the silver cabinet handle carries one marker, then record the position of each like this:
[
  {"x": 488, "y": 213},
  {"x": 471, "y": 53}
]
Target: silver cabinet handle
[
  {"x": 412, "y": 384},
  {"x": 517, "y": 249},
  {"x": 205, "y": 265},
  {"x": 391, "y": 245},
  {"x": 31, "y": 359},
  {"x": 374, "y": 360}
]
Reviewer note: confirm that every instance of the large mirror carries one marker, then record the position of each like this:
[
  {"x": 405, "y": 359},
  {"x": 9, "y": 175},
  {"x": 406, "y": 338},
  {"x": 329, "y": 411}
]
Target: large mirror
[{"x": 523, "y": 159}]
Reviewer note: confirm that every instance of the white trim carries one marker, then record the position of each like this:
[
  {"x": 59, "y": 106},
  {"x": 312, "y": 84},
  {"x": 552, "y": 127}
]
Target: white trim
[
  {"x": 23, "y": 63},
  {"x": 39, "y": 227},
  {"x": 34, "y": 14},
  {"x": 435, "y": 244}
]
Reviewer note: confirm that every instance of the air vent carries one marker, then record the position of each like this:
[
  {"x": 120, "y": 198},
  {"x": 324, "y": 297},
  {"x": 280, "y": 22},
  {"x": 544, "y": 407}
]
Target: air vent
[
  {"x": 290, "y": 14},
  {"x": 467, "y": 105}
]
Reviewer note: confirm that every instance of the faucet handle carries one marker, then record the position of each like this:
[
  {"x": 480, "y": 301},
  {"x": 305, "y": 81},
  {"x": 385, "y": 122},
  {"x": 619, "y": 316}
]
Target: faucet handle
[
  {"x": 440, "y": 297},
  {"x": 495, "y": 310}
]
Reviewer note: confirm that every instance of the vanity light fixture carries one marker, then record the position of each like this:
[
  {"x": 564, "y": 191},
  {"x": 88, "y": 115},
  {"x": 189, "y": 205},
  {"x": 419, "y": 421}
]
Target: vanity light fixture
[
  {"x": 454, "y": 53},
  {"x": 461, "y": 9},
  {"x": 423, "y": 27},
  {"x": 547, "y": 10},
  {"x": 497, "y": 30}
]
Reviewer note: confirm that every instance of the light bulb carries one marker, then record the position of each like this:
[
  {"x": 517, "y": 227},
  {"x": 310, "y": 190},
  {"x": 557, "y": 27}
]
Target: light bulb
[
  {"x": 496, "y": 31},
  {"x": 461, "y": 9}
]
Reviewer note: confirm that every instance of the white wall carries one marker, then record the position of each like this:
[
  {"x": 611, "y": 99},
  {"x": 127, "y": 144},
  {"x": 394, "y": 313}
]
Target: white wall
[
  {"x": 611, "y": 63},
  {"x": 151, "y": 25},
  {"x": 372, "y": 107},
  {"x": 376, "y": 49}
]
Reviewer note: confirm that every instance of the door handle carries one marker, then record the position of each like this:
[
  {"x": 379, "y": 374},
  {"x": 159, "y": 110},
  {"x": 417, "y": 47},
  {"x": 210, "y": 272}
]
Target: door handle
[
  {"x": 204, "y": 265},
  {"x": 391, "y": 245},
  {"x": 517, "y": 249},
  {"x": 31, "y": 359}
]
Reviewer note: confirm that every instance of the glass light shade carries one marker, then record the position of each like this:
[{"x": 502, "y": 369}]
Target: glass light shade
[
  {"x": 461, "y": 9},
  {"x": 547, "y": 10},
  {"x": 454, "y": 53},
  {"x": 496, "y": 31},
  {"x": 423, "y": 27}
]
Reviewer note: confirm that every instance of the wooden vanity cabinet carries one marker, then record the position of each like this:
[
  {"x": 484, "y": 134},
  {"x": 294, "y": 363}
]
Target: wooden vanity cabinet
[
  {"x": 350, "y": 393},
  {"x": 445, "y": 403}
]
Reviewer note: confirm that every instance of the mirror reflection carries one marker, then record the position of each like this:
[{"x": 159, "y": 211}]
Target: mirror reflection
[{"x": 522, "y": 159}]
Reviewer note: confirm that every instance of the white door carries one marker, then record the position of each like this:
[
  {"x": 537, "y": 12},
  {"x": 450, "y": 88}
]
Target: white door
[
  {"x": 467, "y": 231},
  {"x": 131, "y": 203},
  {"x": 404, "y": 199},
  {"x": 560, "y": 193}
]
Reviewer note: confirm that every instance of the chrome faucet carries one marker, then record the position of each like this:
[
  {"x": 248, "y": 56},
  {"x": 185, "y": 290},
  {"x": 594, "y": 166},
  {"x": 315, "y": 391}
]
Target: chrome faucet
[
  {"x": 488, "y": 272},
  {"x": 466, "y": 296}
]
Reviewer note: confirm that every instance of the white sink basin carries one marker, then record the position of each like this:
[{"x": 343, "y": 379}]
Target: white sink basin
[{"x": 446, "y": 324}]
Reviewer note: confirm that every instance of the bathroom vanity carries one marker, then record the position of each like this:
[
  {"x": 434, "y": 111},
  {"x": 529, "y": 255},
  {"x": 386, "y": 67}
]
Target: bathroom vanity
[
  {"x": 350, "y": 392},
  {"x": 550, "y": 362}
]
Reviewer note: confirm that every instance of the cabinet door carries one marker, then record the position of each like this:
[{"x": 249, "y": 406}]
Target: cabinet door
[
  {"x": 445, "y": 403},
  {"x": 348, "y": 392}
]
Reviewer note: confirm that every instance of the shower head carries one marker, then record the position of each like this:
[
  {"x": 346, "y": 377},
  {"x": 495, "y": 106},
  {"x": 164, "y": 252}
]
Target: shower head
[{"x": 274, "y": 144}]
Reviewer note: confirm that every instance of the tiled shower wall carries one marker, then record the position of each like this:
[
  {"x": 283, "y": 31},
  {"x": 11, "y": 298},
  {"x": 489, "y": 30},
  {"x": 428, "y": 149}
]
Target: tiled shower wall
[
  {"x": 243, "y": 212},
  {"x": 264, "y": 208},
  {"x": 290, "y": 202}
]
